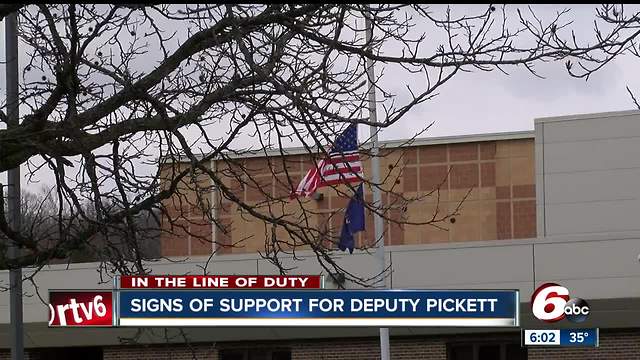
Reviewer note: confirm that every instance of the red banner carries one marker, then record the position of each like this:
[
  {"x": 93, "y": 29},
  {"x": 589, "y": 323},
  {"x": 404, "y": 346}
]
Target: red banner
[
  {"x": 80, "y": 308},
  {"x": 220, "y": 282}
]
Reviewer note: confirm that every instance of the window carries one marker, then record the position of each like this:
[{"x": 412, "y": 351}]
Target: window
[
  {"x": 264, "y": 354},
  {"x": 460, "y": 352},
  {"x": 516, "y": 352},
  {"x": 486, "y": 351}
]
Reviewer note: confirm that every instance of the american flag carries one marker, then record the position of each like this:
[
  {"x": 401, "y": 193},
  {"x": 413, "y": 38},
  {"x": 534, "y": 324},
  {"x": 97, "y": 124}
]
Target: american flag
[{"x": 342, "y": 166}]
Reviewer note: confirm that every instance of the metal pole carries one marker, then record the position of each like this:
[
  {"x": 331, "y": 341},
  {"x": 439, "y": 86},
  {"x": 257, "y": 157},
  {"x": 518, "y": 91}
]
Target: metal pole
[
  {"x": 215, "y": 198},
  {"x": 375, "y": 178},
  {"x": 16, "y": 337}
]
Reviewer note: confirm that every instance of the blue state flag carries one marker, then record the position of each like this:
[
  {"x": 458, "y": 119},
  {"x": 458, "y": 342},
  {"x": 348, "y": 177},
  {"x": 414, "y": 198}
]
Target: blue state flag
[{"x": 353, "y": 221}]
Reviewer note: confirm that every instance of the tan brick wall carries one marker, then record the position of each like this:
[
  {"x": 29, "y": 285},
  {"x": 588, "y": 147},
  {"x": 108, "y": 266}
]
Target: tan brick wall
[
  {"x": 501, "y": 205},
  {"x": 491, "y": 211},
  {"x": 189, "y": 232}
]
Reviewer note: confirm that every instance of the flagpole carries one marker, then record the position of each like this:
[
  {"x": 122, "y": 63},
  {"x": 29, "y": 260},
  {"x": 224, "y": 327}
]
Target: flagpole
[{"x": 375, "y": 178}]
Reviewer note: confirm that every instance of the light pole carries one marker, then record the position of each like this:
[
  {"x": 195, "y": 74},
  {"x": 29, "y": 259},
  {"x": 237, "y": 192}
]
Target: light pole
[
  {"x": 378, "y": 224},
  {"x": 16, "y": 336}
]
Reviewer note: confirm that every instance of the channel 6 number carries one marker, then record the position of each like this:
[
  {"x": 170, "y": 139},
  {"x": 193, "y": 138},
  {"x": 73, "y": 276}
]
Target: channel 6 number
[{"x": 551, "y": 303}]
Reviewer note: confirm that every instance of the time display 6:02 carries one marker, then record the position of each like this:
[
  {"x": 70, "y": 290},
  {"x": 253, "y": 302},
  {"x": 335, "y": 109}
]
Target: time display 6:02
[{"x": 542, "y": 337}]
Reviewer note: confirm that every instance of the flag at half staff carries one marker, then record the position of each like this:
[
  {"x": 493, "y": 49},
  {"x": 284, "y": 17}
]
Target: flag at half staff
[{"x": 342, "y": 166}]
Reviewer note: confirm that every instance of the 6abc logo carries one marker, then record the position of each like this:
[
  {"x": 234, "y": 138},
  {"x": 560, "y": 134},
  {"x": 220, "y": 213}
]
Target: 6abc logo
[{"x": 551, "y": 303}]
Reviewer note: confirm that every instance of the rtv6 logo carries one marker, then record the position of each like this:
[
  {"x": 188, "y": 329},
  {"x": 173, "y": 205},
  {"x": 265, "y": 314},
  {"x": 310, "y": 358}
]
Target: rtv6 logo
[
  {"x": 550, "y": 302},
  {"x": 80, "y": 308}
]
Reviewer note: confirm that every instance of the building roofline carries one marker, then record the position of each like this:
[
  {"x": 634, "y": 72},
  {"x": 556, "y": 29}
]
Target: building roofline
[
  {"x": 514, "y": 135},
  {"x": 587, "y": 116},
  {"x": 391, "y": 144}
]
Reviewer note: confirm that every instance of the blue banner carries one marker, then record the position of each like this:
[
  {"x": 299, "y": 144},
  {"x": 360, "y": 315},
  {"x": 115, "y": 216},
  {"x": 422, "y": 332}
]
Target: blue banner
[
  {"x": 579, "y": 337},
  {"x": 318, "y": 308}
]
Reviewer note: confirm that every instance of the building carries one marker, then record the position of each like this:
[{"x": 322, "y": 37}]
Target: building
[{"x": 557, "y": 204}]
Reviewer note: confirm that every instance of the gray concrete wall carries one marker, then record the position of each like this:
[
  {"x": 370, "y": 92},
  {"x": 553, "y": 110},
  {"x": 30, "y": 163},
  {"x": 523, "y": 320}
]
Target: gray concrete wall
[
  {"x": 588, "y": 174},
  {"x": 592, "y": 268},
  {"x": 583, "y": 265}
]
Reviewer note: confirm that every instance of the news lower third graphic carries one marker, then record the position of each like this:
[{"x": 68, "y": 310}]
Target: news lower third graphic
[
  {"x": 551, "y": 303},
  {"x": 561, "y": 337},
  {"x": 275, "y": 301},
  {"x": 219, "y": 282},
  {"x": 317, "y": 308},
  {"x": 81, "y": 308}
]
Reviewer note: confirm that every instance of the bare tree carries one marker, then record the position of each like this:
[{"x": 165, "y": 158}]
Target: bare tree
[
  {"x": 126, "y": 107},
  {"x": 40, "y": 218}
]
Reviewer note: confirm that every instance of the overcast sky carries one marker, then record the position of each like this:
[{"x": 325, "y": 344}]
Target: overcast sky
[
  {"x": 475, "y": 103},
  {"x": 480, "y": 102},
  {"x": 493, "y": 102}
]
